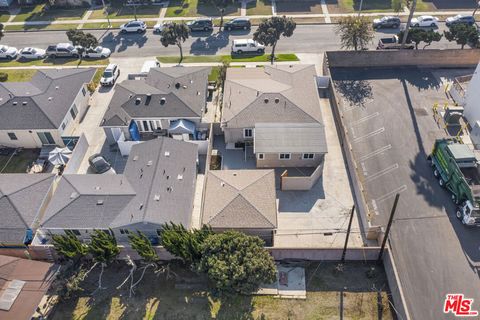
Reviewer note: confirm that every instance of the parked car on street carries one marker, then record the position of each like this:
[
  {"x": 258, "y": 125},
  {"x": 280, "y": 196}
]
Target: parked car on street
[
  {"x": 159, "y": 26},
  {"x": 387, "y": 22},
  {"x": 99, "y": 164},
  {"x": 392, "y": 43},
  {"x": 98, "y": 52},
  {"x": 247, "y": 45},
  {"x": 62, "y": 50},
  {"x": 238, "y": 24},
  {"x": 7, "y": 52},
  {"x": 459, "y": 19},
  {"x": 202, "y": 24},
  {"x": 425, "y": 21},
  {"x": 32, "y": 53},
  {"x": 110, "y": 75},
  {"x": 133, "y": 26}
]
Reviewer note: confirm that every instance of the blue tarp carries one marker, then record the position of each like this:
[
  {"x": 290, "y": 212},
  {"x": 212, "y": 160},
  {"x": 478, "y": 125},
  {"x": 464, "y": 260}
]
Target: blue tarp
[
  {"x": 181, "y": 127},
  {"x": 134, "y": 133},
  {"x": 28, "y": 237}
]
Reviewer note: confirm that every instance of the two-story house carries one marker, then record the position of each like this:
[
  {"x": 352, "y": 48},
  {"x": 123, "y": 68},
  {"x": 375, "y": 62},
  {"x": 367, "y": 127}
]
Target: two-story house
[
  {"x": 45, "y": 110},
  {"x": 277, "y": 110}
]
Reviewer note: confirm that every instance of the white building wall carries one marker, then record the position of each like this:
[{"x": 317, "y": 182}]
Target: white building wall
[
  {"x": 472, "y": 106},
  {"x": 81, "y": 103},
  {"x": 27, "y": 138}
]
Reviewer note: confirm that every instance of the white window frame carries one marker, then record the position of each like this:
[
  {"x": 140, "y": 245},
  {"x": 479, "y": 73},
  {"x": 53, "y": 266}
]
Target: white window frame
[
  {"x": 284, "y": 153},
  {"x": 308, "y": 154},
  {"x": 261, "y": 156},
  {"x": 244, "y": 132}
]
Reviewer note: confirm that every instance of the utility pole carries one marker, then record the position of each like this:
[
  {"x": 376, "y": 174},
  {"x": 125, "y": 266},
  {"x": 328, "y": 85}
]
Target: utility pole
[
  {"x": 348, "y": 234},
  {"x": 360, "y": 8},
  {"x": 409, "y": 22},
  {"x": 106, "y": 13},
  {"x": 387, "y": 231}
]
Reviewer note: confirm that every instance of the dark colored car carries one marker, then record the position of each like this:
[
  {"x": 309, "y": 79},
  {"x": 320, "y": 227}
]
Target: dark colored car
[
  {"x": 387, "y": 22},
  {"x": 205, "y": 24},
  {"x": 458, "y": 19},
  {"x": 238, "y": 24},
  {"x": 99, "y": 164}
]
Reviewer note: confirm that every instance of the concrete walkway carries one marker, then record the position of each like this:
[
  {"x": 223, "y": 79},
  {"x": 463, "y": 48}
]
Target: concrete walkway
[
  {"x": 325, "y": 15},
  {"x": 243, "y": 8}
]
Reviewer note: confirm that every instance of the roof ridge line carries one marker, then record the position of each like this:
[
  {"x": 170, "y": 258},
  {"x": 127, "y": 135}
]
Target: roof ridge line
[{"x": 49, "y": 176}]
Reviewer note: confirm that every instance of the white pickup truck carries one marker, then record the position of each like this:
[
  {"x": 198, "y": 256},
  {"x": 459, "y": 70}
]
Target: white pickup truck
[{"x": 392, "y": 43}]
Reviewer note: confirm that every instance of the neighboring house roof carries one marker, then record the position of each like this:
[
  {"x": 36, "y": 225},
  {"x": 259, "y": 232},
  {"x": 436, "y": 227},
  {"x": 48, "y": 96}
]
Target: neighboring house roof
[
  {"x": 43, "y": 102},
  {"x": 240, "y": 199},
  {"x": 35, "y": 276},
  {"x": 157, "y": 186},
  {"x": 21, "y": 197},
  {"x": 290, "y": 137},
  {"x": 270, "y": 94},
  {"x": 183, "y": 88}
]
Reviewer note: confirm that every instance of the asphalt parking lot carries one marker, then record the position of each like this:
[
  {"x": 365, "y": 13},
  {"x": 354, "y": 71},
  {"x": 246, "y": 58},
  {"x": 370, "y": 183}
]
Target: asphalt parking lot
[{"x": 388, "y": 113}]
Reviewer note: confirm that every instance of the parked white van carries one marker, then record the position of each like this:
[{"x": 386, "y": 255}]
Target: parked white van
[{"x": 247, "y": 45}]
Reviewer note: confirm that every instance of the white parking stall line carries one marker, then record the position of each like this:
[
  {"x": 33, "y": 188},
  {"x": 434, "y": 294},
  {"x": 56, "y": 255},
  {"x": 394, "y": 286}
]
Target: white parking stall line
[
  {"x": 350, "y": 108},
  {"x": 362, "y": 120},
  {"x": 369, "y": 135},
  {"x": 380, "y": 173},
  {"x": 375, "y": 153},
  {"x": 375, "y": 207},
  {"x": 391, "y": 193}
]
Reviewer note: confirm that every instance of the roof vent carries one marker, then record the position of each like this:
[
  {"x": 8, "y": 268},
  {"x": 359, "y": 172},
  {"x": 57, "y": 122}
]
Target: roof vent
[
  {"x": 149, "y": 97},
  {"x": 162, "y": 101},
  {"x": 168, "y": 177},
  {"x": 234, "y": 174},
  {"x": 14, "y": 103},
  {"x": 222, "y": 184},
  {"x": 184, "y": 87},
  {"x": 258, "y": 92},
  {"x": 130, "y": 96},
  {"x": 138, "y": 100},
  {"x": 191, "y": 80},
  {"x": 100, "y": 202},
  {"x": 149, "y": 163},
  {"x": 169, "y": 189},
  {"x": 24, "y": 103},
  {"x": 141, "y": 206},
  {"x": 135, "y": 158},
  {"x": 177, "y": 85},
  {"x": 97, "y": 188},
  {"x": 156, "y": 197},
  {"x": 167, "y": 153},
  {"x": 198, "y": 93},
  {"x": 180, "y": 177},
  {"x": 277, "y": 100},
  {"x": 57, "y": 87},
  {"x": 73, "y": 195},
  {"x": 50, "y": 98},
  {"x": 266, "y": 100}
]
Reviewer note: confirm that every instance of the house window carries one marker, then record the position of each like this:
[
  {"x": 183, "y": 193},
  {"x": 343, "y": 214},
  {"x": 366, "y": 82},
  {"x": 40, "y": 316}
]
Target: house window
[
  {"x": 84, "y": 92},
  {"x": 260, "y": 156},
  {"x": 308, "y": 156},
  {"x": 63, "y": 126},
  {"x": 46, "y": 138},
  {"x": 74, "y": 111},
  {"x": 124, "y": 231},
  {"x": 284, "y": 156},
  {"x": 12, "y": 136},
  {"x": 248, "y": 133},
  {"x": 159, "y": 232}
]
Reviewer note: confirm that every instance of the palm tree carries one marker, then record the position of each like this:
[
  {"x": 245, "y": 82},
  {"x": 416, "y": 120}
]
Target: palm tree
[{"x": 409, "y": 22}]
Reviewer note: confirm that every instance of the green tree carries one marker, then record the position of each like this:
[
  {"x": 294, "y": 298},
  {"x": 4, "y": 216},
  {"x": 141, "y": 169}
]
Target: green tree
[
  {"x": 236, "y": 262},
  {"x": 397, "y": 5},
  {"x": 462, "y": 34},
  {"x": 104, "y": 249},
  {"x": 431, "y": 36},
  {"x": 142, "y": 245},
  {"x": 420, "y": 35},
  {"x": 69, "y": 246},
  {"x": 84, "y": 40},
  {"x": 270, "y": 30},
  {"x": 221, "y": 5},
  {"x": 175, "y": 34},
  {"x": 183, "y": 243},
  {"x": 355, "y": 32}
]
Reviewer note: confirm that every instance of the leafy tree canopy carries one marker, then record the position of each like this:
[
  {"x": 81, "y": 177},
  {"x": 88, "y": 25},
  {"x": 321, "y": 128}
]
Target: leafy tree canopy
[
  {"x": 270, "y": 30},
  {"x": 79, "y": 38},
  {"x": 355, "y": 32},
  {"x": 462, "y": 34},
  {"x": 143, "y": 246},
  {"x": 103, "y": 246},
  {"x": 175, "y": 34},
  {"x": 236, "y": 262},
  {"x": 69, "y": 246}
]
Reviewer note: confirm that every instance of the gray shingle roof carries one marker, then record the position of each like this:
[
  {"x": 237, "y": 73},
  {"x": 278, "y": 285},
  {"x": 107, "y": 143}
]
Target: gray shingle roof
[
  {"x": 157, "y": 186},
  {"x": 43, "y": 102},
  {"x": 184, "y": 88},
  {"x": 240, "y": 199},
  {"x": 290, "y": 137},
  {"x": 21, "y": 197},
  {"x": 270, "y": 94}
]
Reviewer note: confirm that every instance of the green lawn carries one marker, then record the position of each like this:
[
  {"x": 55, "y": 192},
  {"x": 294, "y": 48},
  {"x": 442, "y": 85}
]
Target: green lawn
[
  {"x": 101, "y": 25},
  {"x": 18, "y": 75},
  {"x": 119, "y": 11},
  {"x": 42, "y": 27},
  {"x": 4, "y": 16},
  {"x": 228, "y": 58},
  {"x": 192, "y": 8},
  {"x": 37, "y": 13},
  {"x": 259, "y": 7},
  {"x": 53, "y": 62},
  {"x": 375, "y": 5},
  {"x": 18, "y": 163}
]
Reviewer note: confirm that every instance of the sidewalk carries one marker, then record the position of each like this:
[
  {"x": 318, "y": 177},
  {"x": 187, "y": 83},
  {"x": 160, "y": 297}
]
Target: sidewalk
[{"x": 327, "y": 16}]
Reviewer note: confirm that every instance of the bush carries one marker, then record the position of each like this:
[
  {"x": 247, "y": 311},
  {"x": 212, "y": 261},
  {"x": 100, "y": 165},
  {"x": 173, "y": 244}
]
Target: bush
[{"x": 3, "y": 76}]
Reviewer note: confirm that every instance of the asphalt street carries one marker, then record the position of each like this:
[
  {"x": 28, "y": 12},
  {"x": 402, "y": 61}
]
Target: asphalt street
[
  {"x": 391, "y": 127},
  {"x": 306, "y": 39}
]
